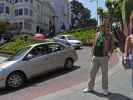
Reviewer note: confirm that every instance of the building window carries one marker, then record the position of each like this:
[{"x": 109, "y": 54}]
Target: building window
[
  {"x": 27, "y": 26},
  {"x": 31, "y": 13},
  {"x": 1, "y": 8},
  {"x": 20, "y": 12},
  {"x": 25, "y": 11},
  {"x": 31, "y": 1},
  {"x": 16, "y": 1},
  {"x": 19, "y": 26},
  {"x": 7, "y": 10},
  {"x": 12, "y": 1},
  {"x": 16, "y": 12}
]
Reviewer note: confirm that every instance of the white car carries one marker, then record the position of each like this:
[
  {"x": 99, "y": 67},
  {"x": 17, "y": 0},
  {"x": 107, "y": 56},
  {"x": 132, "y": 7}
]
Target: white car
[
  {"x": 69, "y": 39},
  {"x": 34, "y": 60}
]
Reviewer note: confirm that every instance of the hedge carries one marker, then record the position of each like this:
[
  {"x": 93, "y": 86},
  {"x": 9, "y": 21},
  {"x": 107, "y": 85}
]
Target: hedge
[
  {"x": 85, "y": 35},
  {"x": 16, "y": 43}
]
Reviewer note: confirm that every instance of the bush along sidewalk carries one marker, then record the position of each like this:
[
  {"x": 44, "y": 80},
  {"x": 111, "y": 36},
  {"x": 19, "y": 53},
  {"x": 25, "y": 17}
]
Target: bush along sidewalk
[
  {"x": 16, "y": 43},
  {"x": 85, "y": 35}
]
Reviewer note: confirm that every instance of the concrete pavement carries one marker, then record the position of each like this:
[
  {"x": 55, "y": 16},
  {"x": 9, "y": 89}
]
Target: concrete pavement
[{"x": 119, "y": 87}]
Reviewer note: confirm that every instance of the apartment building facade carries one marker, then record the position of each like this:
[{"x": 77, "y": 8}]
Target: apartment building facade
[
  {"x": 5, "y": 12},
  {"x": 32, "y": 16}
]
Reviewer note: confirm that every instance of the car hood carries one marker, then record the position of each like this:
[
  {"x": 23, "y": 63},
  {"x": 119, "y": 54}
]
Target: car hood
[
  {"x": 74, "y": 41},
  {"x": 6, "y": 64}
]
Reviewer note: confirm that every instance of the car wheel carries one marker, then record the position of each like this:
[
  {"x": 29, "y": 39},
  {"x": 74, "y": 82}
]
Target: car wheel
[
  {"x": 15, "y": 80},
  {"x": 68, "y": 63}
]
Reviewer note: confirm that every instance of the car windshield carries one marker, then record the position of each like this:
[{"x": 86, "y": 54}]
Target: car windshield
[
  {"x": 19, "y": 53},
  {"x": 71, "y": 38}
]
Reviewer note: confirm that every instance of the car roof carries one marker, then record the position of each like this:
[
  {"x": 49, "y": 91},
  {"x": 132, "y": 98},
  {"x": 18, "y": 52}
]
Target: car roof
[
  {"x": 36, "y": 44},
  {"x": 41, "y": 43}
]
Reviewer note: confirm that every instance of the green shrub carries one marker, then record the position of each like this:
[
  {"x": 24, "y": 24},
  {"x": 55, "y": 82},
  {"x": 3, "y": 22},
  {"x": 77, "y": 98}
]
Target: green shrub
[
  {"x": 17, "y": 43},
  {"x": 85, "y": 35}
]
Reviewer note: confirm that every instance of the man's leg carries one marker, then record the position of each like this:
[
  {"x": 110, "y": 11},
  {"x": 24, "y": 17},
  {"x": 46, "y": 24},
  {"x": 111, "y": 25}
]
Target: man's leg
[
  {"x": 93, "y": 72},
  {"x": 104, "y": 69}
]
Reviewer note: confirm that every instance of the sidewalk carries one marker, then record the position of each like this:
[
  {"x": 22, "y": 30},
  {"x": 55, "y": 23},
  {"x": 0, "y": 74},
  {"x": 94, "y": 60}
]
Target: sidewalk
[{"x": 119, "y": 87}]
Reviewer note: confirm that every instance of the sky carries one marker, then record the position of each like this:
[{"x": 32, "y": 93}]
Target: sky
[{"x": 92, "y": 5}]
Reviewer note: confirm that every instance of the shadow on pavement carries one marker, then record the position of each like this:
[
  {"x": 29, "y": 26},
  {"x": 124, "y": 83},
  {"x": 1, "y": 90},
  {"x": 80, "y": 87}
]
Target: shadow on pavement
[
  {"x": 39, "y": 79},
  {"x": 116, "y": 96},
  {"x": 112, "y": 96}
]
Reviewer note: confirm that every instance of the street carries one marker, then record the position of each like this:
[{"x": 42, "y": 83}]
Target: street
[{"x": 56, "y": 80}]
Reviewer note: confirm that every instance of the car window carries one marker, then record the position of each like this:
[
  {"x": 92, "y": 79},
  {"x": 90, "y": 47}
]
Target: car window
[
  {"x": 62, "y": 37},
  {"x": 55, "y": 47},
  {"x": 19, "y": 53},
  {"x": 39, "y": 51}
]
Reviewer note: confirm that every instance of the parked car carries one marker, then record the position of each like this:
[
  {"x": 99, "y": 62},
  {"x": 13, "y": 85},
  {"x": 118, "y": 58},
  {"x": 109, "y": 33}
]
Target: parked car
[
  {"x": 39, "y": 36},
  {"x": 69, "y": 40},
  {"x": 34, "y": 60}
]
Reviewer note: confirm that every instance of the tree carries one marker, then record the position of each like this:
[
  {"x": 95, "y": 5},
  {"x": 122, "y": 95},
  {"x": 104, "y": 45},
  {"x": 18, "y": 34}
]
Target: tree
[
  {"x": 80, "y": 14},
  {"x": 115, "y": 8},
  {"x": 4, "y": 26},
  {"x": 92, "y": 23}
]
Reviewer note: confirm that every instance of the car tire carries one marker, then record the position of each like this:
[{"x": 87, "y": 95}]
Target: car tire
[
  {"x": 68, "y": 63},
  {"x": 15, "y": 80}
]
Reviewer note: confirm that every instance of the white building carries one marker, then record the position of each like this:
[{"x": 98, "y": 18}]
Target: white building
[
  {"x": 62, "y": 14},
  {"x": 32, "y": 16},
  {"x": 5, "y": 12}
]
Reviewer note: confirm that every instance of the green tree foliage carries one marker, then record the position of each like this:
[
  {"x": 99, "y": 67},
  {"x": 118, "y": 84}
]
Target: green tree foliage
[
  {"x": 85, "y": 14},
  {"x": 87, "y": 36},
  {"x": 76, "y": 7},
  {"x": 92, "y": 23},
  {"x": 115, "y": 8},
  {"x": 6, "y": 27},
  {"x": 80, "y": 14}
]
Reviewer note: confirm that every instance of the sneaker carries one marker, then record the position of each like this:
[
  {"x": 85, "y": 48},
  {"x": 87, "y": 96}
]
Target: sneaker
[
  {"x": 86, "y": 90},
  {"x": 105, "y": 92}
]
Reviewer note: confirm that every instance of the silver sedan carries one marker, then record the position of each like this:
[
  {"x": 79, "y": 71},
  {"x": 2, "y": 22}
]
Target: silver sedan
[
  {"x": 69, "y": 40},
  {"x": 34, "y": 60}
]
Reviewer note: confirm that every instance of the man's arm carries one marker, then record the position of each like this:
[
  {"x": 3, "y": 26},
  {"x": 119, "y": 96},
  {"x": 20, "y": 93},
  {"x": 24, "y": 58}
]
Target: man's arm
[
  {"x": 93, "y": 45},
  {"x": 126, "y": 47}
]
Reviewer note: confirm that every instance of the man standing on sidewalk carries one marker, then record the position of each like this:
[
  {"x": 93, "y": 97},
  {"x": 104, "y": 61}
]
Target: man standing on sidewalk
[{"x": 101, "y": 52}]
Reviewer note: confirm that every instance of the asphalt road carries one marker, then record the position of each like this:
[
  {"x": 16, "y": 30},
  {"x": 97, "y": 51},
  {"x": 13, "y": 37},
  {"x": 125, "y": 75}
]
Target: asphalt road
[{"x": 54, "y": 81}]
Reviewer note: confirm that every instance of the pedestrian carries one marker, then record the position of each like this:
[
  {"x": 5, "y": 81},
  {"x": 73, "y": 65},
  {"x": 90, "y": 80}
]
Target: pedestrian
[
  {"x": 128, "y": 55},
  {"x": 101, "y": 51}
]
